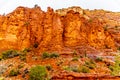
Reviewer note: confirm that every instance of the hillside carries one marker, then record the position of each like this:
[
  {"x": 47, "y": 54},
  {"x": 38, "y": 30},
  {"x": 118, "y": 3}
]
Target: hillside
[{"x": 71, "y": 43}]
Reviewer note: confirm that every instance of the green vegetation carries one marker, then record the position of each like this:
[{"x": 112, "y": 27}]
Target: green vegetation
[
  {"x": 23, "y": 54},
  {"x": 49, "y": 55},
  {"x": 45, "y": 55},
  {"x": 38, "y": 73},
  {"x": 26, "y": 50},
  {"x": 75, "y": 59},
  {"x": 14, "y": 53},
  {"x": 23, "y": 57},
  {"x": 54, "y": 55},
  {"x": 9, "y": 54},
  {"x": 84, "y": 69},
  {"x": 14, "y": 72},
  {"x": 71, "y": 68},
  {"x": 115, "y": 69},
  {"x": 99, "y": 59},
  {"x": 90, "y": 64}
]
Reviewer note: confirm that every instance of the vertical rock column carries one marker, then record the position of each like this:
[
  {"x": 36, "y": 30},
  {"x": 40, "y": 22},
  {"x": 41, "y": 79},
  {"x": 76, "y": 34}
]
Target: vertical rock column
[{"x": 52, "y": 32}]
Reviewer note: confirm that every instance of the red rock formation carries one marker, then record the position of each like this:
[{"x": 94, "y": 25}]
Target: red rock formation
[
  {"x": 111, "y": 20},
  {"x": 25, "y": 27},
  {"x": 80, "y": 31}
]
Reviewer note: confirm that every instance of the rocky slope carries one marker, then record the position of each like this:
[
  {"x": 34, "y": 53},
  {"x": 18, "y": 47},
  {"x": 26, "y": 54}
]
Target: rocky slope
[{"x": 78, "y": 35}]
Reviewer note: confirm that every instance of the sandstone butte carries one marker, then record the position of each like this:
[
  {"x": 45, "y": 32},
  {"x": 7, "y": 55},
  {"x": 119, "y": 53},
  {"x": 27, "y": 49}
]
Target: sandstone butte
[
  {"x": 26, "y": 26},
  {"x": 63, "y": 31}
]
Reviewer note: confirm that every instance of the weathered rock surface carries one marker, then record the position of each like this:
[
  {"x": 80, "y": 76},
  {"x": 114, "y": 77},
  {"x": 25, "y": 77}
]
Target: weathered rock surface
[
  {"x": 111, "y": 20},
  {"x": 25, "y": 27}
]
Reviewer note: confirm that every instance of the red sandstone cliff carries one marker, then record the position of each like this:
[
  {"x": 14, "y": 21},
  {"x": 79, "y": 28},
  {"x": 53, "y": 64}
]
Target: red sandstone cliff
[{"x": 25, "y": 27}]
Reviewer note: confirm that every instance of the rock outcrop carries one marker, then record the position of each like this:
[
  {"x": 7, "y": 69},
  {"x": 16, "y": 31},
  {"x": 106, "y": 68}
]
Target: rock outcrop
[
  {"x": 50, "y": 31},
  {"x": 111, "y": 20}
]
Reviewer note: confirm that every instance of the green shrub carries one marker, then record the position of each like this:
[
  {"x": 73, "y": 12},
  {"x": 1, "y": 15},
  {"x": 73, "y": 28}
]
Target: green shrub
[
  {"x": 84, "y": 69},
  {"x": 45, "y": 55},
  {"x": 38, "y": 73},
  {"x": 14, "y": 72},
  {"x": 99, "y": 59},
  {"x": 75, "y": 59},
  {"x": 67, "y": 68},
  {"x": 54, "y": 55},
  {"x": 9, "y": 54},
  {"x": 71, "y": 68},
  {"x": 26, "y": 50},
  {"x": 22, "y": 57},
  {"x": 90, "y": 64},
  {"x": 115, "y": 69},
  {"x": 49, "y": 55},
  {"x": 23, "y": 54}
]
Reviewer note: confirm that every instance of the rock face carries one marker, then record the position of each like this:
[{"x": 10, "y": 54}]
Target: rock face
[
  {"x": 50, "y": 31},
  {"x": 111, "y": 20}
]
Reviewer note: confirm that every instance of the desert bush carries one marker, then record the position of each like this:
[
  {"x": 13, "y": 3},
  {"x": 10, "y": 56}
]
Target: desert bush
[
  {"x": 26, "y": 50},
  {"x": 84, "y": 69},
  {"x": 49, "y": 55},
  {"x": 90, "y": 64},
  {"x": 71, "y": 68},
  {"x": 38, "y": 73},
  {"x": 23, "y": 53},
  {"x": 45, "y": 55},
  {"x": 99, "y": 59},
  {"x": 115, "y": 68},
  {"x": 14, "y": 72},
  {"x": 75, "y": 59},
  {"x": 54, "y": 55},
  {"x": 9, "y": 54}
]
